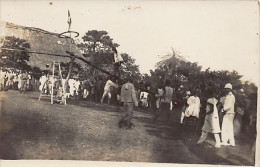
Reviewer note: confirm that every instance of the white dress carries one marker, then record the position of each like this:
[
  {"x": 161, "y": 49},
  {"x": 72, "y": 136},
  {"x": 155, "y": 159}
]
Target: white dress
[{"x": 211, "y": 123}]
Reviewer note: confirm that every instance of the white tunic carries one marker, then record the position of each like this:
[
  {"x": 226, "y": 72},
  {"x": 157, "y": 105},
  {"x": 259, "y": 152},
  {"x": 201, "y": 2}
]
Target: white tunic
[
  {"x": 194, "y": 107},
  {"x": 117, "y": 57}
]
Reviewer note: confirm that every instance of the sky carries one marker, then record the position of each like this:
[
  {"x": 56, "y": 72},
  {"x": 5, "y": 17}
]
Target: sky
[{"x": 221, "y": 35}]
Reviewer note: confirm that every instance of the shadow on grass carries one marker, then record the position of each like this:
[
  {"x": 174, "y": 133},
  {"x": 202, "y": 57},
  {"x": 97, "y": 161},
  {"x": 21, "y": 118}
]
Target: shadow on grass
[{"x": 17, "y": 129}]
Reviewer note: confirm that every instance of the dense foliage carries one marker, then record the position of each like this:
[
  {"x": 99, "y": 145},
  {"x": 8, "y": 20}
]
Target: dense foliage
[
  {"x": 191, "y": 76},
  {"x": 12, "y": 58},
  {"x": 97, "y": 48}
]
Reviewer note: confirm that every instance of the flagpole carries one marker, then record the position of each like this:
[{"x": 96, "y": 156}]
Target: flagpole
[{"x": 69, "y": 22}]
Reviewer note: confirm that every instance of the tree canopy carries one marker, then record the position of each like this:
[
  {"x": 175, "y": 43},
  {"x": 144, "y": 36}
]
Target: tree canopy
[
  {"x": 14, "y": 59},
  {"x": 182, "y": 72},
  {"x": 97, "y": 47}
]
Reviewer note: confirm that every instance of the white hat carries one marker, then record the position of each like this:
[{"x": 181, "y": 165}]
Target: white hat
[{"x": 228, "y": 86}]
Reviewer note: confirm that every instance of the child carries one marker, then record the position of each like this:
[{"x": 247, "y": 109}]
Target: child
[{"x": 211, "y": 124}]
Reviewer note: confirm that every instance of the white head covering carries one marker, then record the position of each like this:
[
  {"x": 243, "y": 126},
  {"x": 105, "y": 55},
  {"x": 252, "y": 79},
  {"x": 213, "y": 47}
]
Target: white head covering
[{"x": 228, "y": 86}]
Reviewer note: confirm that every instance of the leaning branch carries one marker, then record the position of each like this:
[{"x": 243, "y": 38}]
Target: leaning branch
[{"x": 73, "y": 56}]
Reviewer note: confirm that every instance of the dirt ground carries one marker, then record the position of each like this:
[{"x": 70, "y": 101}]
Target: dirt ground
[{"x": 32, "y": 129}]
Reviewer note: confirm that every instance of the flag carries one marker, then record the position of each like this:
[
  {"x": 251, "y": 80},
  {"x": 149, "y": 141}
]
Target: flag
[{"x": 69, "y": 19}]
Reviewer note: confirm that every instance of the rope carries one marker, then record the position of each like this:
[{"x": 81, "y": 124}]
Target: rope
[{"x": 72, "y": 55}]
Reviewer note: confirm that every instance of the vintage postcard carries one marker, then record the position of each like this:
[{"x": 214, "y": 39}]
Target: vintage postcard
[{"x": 129, "y": 83}]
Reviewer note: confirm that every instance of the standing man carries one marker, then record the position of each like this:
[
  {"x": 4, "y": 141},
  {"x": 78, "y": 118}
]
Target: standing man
[
  {"x": 128, "y": 97},
  {"x": 229, "y": 113},
  {"x": 24, "y": 77},
  {"x": 166, "y": 99}
]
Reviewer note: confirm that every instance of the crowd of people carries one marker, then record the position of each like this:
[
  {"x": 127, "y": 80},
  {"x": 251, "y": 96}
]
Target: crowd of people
[
  {"x": 16, "y": 80},
  {"x": 203, "y": 112},
  {"x": 211, "y": 111}
]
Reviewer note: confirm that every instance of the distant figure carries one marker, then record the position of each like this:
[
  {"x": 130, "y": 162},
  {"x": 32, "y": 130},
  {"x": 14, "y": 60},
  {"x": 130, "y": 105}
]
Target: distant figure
[
  {"x": 2, "y": 75},
  {"x": 107, "y": 90},
  {"x": 118, "y": 60},
  {"x": 229, "y": 113},
  {"x": 184, "y": 103},
  {"x": 98, "y": 89},
  {"x": 166, "y": 99},
  {"x": 6, "y": 79},
  {"x": 43, "y": 79},
  {"x": 143, "y": 99},
  {"x": 151, "y": 101},
  {"x": 60, "y": 93},
  {"x": 239, "y": 112},
  {"x": 211, "y": 123},
  {"x": 86, "y": 88},
  {"x": 138, "y": 93},
  {"x": 128, "y": 97},
  {"x": 19, "y": 81},
  {"x": 190, "y": 116},
  {"x": 76, "y": 85},
  {"x": 191, "y": 113},
  {"x": 159, "y": 96},
  {"x": 24, "y": 77},
  {"x": 72, "y": 86}
]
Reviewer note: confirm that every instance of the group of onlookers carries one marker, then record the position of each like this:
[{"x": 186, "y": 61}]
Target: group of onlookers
[
  {"x": 208, "y": 111},
  {"x": 16, "y": 80},
  {"x": 226, "y": 106},
  {"x": 217, "y": 112}
]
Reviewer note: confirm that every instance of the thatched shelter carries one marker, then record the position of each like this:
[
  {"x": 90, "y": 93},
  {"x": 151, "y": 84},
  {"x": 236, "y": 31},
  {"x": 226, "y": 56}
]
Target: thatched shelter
[{"x": 41, "y": 41}]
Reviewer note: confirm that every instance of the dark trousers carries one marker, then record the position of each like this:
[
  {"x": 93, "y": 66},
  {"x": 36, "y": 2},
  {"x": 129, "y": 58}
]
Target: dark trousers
[
  {"x": 164, "y": 109},
  {"x": 128, "y": 114},
  {"x": 98, "y": 94}
]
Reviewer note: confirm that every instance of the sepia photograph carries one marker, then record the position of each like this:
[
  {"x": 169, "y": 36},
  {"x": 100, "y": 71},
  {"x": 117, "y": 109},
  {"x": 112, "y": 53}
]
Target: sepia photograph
[{"x": 129, "y": 83}]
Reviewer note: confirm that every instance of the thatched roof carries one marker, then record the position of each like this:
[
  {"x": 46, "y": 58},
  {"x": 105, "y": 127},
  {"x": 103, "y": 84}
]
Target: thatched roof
[{"x": 41, "y": 41}]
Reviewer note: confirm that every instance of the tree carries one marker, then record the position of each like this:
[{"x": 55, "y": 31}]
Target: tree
[
  {"x": 182, "y": 72},
  {"x": 129, "y": 69},
  {"x": 97, "y": 46},
  {"x": 178, "y": 70},
  {"x": 95, "y": 41},
  {"x": 75, "y": 70},
  {"x": 249, "y": 88},
  {"x": 12, "y": 58}
]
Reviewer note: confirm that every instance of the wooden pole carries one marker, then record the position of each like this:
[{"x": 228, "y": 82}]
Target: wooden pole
[
  {"x": 72, "y": 55},
  {"x": 106, "y": 72}
]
